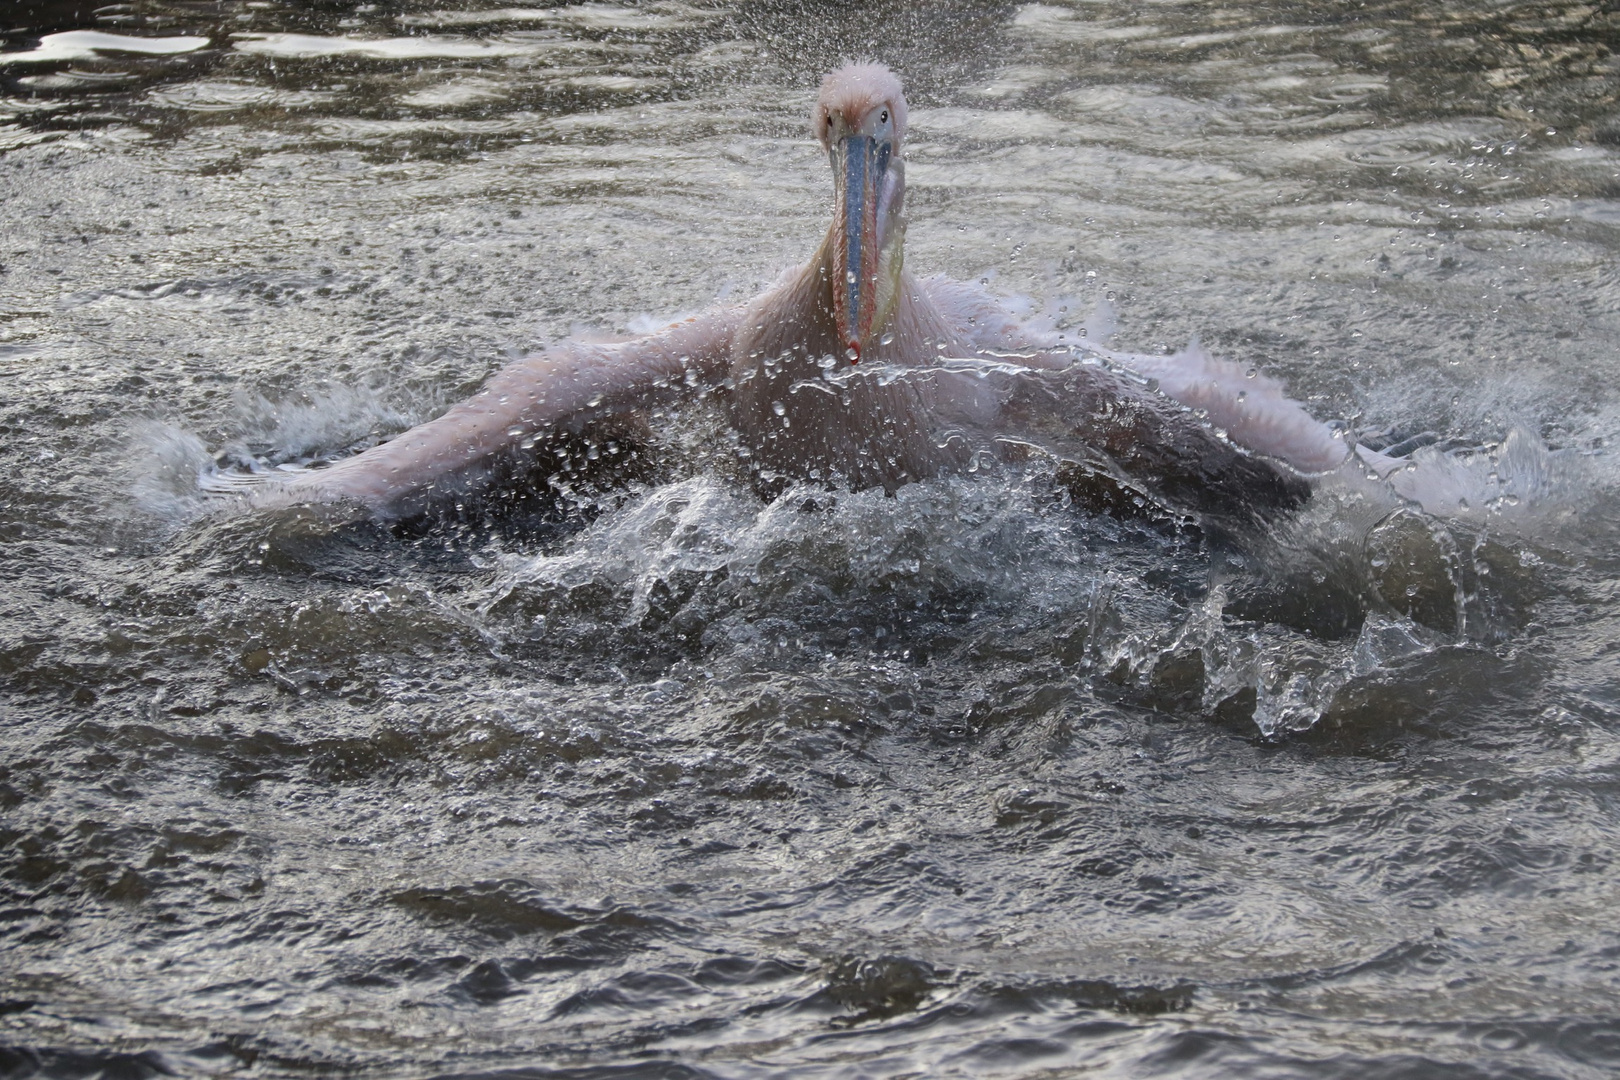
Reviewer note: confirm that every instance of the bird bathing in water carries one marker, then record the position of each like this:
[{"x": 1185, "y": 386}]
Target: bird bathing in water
[{"x": 852, "y": 372}]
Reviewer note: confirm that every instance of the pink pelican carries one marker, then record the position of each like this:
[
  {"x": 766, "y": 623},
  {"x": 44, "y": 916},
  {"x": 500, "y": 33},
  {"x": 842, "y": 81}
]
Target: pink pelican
[{"x": 852, "y": 372}]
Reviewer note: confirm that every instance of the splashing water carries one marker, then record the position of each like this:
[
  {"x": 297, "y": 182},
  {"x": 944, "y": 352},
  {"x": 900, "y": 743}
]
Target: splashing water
[{"x": 635, "y": 773}]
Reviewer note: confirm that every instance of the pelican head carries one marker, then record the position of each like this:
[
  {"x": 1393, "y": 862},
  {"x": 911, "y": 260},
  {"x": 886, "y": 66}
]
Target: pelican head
[{"x": 860, "y": 118}]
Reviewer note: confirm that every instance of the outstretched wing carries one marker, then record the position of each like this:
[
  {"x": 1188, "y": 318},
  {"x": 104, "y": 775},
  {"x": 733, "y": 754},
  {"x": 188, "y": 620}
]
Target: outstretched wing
[
  {"x": 563, "y": 387},
  {"x": 1252, "y": 410}
]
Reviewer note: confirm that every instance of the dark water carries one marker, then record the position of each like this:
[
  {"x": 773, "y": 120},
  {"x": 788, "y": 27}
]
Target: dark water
[{"x": 648, "y": 778}]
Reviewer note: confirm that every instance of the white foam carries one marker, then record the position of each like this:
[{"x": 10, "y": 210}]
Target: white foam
[
  {"x": 1519, "y": 485},
  {"x": 162, "y": 464}
]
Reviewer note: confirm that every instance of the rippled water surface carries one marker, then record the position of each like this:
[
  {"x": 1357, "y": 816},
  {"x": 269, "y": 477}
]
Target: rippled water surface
[{"x": 638, "y": 775}]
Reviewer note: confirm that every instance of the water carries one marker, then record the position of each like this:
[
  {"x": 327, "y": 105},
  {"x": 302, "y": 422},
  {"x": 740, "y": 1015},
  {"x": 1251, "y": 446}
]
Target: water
[{"x": 650, "y": 778}]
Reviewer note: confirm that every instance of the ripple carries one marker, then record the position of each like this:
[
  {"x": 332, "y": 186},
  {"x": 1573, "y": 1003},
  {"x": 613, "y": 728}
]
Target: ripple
[
  {"x": 455, "y": 93},
  {"x": 582, "y": 16},
  {"x": 227, "y": 96},
  {"x": 1048, "y": 22},
  {"x": 92, "y": 44},
  {"x": 1411, "y": 144},
  {"x": 310, "y": 47}
]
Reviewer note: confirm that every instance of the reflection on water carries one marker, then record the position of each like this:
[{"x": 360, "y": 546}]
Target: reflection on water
[{"x": 637, "y": 773}]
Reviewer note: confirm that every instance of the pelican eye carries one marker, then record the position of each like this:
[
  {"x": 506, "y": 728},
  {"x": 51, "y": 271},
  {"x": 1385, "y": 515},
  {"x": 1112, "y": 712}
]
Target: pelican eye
[{"x": 883, "y": 117}]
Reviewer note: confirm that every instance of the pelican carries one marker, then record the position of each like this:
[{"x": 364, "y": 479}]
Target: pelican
[{"x": 852, "y": 372}]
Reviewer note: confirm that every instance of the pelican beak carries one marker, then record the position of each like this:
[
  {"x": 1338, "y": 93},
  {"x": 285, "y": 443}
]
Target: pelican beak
[{"x": 861, "y": 219}]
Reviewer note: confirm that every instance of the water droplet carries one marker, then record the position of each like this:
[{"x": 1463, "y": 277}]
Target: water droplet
[
  {"x": 778, "y": 408},
  {"x": 850, "y": 277},
  {"x": 887, "y": 339}
]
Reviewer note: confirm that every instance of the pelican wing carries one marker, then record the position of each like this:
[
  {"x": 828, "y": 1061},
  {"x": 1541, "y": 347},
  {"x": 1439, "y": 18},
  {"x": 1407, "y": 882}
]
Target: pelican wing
[{"x": 560, "y": 388}]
